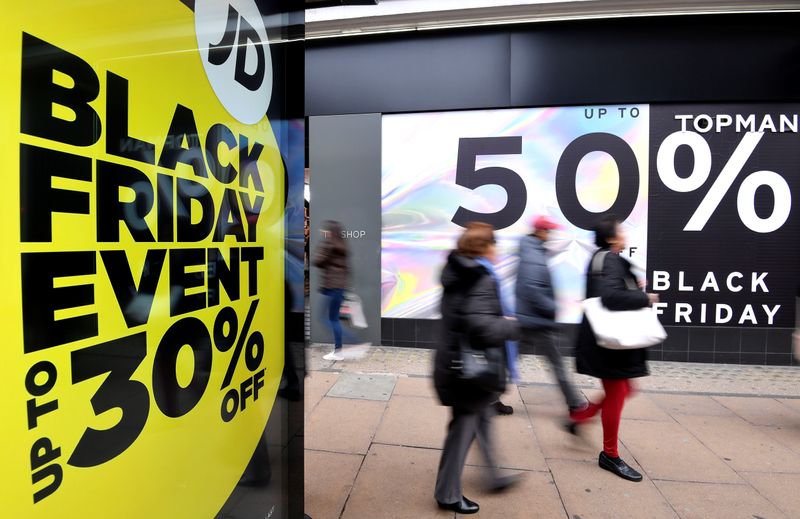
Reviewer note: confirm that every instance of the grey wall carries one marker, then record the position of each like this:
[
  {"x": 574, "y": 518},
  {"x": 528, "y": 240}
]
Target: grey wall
[{"x": 345, "y": 184}]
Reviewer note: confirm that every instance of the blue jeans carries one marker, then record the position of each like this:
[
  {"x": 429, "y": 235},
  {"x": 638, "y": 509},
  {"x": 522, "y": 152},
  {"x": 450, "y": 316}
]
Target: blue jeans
[{"x": 335, "y": 297}]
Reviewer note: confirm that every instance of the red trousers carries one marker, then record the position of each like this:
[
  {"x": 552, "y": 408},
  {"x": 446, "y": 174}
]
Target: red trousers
[{"x": 617, "y": 390}]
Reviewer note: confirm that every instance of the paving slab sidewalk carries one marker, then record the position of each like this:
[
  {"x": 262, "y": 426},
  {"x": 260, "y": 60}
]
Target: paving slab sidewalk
[{"x": 711, "y": 441}]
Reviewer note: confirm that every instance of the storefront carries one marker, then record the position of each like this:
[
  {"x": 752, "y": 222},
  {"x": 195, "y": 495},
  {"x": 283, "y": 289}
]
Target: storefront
[{"x": 686, "y": 127}]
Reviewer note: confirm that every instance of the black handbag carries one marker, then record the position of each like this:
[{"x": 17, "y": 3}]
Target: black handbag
[{"x": 484, "y": 369}]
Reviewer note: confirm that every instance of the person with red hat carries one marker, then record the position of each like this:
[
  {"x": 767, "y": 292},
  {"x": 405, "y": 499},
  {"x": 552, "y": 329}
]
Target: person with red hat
[{"x": 536, "y": 305}]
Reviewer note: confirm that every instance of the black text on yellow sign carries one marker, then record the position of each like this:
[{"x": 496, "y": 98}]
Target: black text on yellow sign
[{"x": 168, "y": 210}]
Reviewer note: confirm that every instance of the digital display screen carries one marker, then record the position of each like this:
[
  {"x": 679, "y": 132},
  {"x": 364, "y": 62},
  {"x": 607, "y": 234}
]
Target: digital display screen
[{"x": 507, "y": 167}]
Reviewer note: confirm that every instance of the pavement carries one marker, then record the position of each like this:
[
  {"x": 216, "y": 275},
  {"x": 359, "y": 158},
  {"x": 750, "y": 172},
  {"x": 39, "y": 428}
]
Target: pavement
[{"x": 712, "y": 441}]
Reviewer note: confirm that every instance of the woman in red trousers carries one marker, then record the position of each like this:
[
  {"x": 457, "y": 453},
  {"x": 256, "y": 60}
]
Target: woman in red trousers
[{"x": 618, "y": 289}]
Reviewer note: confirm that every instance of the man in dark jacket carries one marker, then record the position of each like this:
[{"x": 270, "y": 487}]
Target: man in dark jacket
[{"x": 536, "y": 304}]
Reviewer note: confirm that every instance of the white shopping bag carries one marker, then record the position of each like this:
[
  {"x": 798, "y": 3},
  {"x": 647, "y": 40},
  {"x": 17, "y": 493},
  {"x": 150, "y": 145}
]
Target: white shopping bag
[
  {"x": 623, "y": 330},
  {"x": 352, "y": 308}
]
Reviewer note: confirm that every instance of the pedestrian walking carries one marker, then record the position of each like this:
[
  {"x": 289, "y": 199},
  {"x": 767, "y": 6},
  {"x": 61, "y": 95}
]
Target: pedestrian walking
[
  {"x": 610, "y": 278},
  {"x": 472, "y": 316},
  {"x": 331, "y": 257},
  {"x": 536, "y": 305}
]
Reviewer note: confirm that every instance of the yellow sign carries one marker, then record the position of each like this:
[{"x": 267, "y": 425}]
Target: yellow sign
[{"x": 142, "y": 259}]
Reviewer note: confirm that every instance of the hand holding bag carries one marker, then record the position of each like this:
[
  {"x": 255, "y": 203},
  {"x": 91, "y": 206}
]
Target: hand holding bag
[{"x": 621, "y": 330}]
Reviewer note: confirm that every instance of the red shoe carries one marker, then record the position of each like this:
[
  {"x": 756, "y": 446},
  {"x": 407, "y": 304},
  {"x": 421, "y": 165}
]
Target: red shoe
[{"x": 585, "y": 413}]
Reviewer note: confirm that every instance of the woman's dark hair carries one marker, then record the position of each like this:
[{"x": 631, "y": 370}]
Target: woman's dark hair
[
  {"x": 333, "y": 235},
  {"x": 475, "y": 241},
  {"x": 604, "y": 230}
]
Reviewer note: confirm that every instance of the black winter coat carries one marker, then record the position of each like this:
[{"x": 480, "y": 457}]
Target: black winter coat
[
  {"x": 471, "y": 310},
  {"x": 613, "y": 289}
]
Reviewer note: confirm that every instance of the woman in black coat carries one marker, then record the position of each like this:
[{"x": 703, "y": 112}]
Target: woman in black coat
[
  {"x": 471, "y": 312},
  {"x": 610, "y": 278}
]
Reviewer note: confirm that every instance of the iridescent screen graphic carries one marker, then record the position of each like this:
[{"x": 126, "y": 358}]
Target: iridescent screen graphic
[{"x": 421, "y": 195}]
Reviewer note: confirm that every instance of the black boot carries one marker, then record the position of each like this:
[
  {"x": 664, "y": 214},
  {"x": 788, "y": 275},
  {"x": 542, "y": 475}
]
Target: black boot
[
  {"x": 502, "y": 408},
  {"x": 571, "y": 427},
  {"x": 618, "y": 467}
]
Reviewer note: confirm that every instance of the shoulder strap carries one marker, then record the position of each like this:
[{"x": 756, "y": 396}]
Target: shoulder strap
[
  {"x": 597, "y": 262},
  {"x": 597, "y": 269}
]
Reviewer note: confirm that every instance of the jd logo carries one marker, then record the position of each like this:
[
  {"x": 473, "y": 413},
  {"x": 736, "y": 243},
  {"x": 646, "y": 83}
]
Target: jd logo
[
  {"x": 233, "y": 45},
  {"x": 218, "y": 54}
]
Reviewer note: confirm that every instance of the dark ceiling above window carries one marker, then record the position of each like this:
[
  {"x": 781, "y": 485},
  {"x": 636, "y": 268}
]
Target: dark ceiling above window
[{"x": 314, "y": 4}]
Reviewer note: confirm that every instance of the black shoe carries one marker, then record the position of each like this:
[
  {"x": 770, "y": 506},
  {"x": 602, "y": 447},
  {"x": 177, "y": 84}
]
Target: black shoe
[
  {"x": 503, "y": 408},
  {"x": 465, "y": 506},
  {"x": 618, "y": 467},
  {"x": 504, "y": 483},
  {"x": 571, "y": 427}
]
